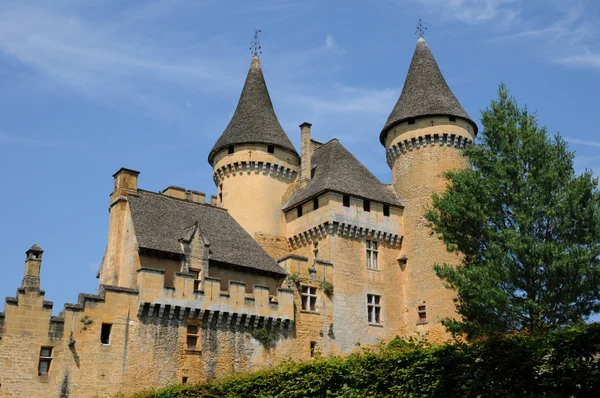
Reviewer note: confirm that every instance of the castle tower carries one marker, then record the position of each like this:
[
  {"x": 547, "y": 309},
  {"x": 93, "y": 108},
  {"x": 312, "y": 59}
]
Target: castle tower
[
  {"x": 254, "y": 161},
  {"x": 423, "y": 137}
]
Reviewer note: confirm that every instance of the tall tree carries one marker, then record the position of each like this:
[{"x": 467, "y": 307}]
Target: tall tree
[{"x": 526, "y": 226}]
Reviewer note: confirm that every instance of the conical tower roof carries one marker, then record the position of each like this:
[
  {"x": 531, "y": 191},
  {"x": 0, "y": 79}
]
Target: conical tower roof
[
  {"x": 254, "y": 120},
  {"x": 425, "y": 93}
]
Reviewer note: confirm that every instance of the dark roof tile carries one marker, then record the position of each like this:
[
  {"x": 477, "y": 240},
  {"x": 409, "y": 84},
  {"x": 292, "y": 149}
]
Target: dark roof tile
[
  {"x": 336, "y": 169},
  {"x": 161, "y": 221},
  {"x": 425, "y": 93},
  {"x": 254, "y": 120}
]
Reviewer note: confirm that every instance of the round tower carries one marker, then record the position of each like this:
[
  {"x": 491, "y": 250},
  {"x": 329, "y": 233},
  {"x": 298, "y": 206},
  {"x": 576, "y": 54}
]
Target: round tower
[
  {"x": 423, "y": 137},
  {"x": 254, "y": 161}
]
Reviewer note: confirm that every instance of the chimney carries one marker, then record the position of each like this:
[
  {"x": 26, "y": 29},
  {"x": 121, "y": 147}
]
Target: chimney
[
  {"x": 306, "y": 151},
  {"x": 33, "y": 265},
  {"x": 125, "y": 184}
]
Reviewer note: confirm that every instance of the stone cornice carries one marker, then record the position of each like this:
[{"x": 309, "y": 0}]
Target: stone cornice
[
  {"x": 266, "y": 168},
  {"x": 346, "y": 229},
  {"x": 401, "y": 147}
]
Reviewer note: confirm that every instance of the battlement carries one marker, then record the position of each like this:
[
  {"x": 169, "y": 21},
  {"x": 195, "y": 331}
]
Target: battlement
[{"x": 233, "y": 306}]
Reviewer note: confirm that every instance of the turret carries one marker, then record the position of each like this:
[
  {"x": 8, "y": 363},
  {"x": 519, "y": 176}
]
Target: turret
[
  {"x": 254, "y": 161},
  {"x": 33, "y": 265},
  {"x": 423, "y": 137}
]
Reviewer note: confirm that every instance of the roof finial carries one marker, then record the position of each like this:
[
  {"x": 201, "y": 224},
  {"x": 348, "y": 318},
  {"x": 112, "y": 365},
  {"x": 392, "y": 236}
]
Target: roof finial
[
  {"x": 255, "y": 47},
  {"x": 421, "y": 28}
]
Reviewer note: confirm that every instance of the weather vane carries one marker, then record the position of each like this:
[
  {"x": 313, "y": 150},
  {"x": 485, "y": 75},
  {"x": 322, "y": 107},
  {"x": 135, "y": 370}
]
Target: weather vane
[
  {"x": 255, "y": 47},
  {"x": 420, "y": 28}
]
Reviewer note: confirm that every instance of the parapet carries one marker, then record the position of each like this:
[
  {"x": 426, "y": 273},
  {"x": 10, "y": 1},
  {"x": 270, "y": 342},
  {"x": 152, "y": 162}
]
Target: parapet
[
  {"x": 233, "y": 306},
  {"x": 185, "y": 194}
]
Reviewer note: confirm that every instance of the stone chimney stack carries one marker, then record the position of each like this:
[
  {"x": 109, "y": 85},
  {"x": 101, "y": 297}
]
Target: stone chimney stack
[
  {"x": 306, "y": 151},
  {"x": 125, "y": 184},
  {"x": 33, "y": 265}
]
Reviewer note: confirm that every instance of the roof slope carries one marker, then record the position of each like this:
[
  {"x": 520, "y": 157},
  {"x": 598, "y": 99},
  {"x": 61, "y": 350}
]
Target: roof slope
[
  {"x": 160, "y": 222},
  {"x": 336, "y": 169},
  {"x": 425, "y": 92},
  {"x": 254, "y": 120}
]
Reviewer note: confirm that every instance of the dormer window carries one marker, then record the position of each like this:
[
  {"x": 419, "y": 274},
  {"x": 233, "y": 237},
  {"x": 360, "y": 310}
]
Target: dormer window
[
  {"x": 230, "y": 149},
  {"x": 271, "y": 148}
]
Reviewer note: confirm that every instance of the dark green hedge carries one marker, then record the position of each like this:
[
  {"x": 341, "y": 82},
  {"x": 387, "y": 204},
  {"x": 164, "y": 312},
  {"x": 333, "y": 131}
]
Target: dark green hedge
[{"x": 563, "y": 364}]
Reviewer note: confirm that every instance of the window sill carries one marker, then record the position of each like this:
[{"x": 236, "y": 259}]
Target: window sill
[
  {"x": 373, "y": 269},
  {"x": 193, "y": 352},
  {"x": 422, "y": 323},
  {"x": 310, "y": 312},
  {"x": 379, "y": 325}
]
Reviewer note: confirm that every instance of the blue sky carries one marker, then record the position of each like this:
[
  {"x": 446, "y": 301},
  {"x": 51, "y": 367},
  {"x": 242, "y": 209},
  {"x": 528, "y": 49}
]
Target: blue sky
[{"x": 89, "y": 87}]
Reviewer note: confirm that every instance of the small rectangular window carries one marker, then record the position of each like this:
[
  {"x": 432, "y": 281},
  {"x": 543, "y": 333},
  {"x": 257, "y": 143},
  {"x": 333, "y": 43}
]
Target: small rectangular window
[
  {"x": 346, "y": 200},
  {"x": 411, "y": 121},
  {"x": 197, "y": 281},
  {"x": 422, "y": 311},
  {"x": 374, "y": 308},
  {"x": 312, "y": 172},
  {"x": 366, "y": 205},
  {"x": 372, "y": 254},
  {"x": 299, "y": 211},
  {"x": 452, "y": 118},
  {"x": 315, "y": 203},
  {"x": 184, "y": 380},
  {"x": 271, "y": 148},
  {"x": 192, "y": 338},
  {"x": 105, "y": 333},
  {"x": 313, "y": 348},
  {"x": 386, "y": 210},
  {"x": 230, "y": 149},
  {"x": 45, "y": 360},
  {"x": 309, "y": 298}
]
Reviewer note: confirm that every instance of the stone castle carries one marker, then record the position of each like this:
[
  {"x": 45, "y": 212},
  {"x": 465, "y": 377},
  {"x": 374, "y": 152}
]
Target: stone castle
[{"x": 297, "y": 254}]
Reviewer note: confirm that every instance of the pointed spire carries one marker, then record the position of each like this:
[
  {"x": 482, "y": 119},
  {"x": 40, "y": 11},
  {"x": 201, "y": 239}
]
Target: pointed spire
[
  {"x": 425, "y": 93},
  {"x": 254, "y": 120}
]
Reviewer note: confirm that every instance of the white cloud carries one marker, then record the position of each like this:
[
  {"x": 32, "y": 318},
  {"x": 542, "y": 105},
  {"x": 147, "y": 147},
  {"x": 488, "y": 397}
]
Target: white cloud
[
  {"x": 476, "y": 11},
  {"x": 332, "y": 45},
  {"x": 578, "y": 141}
]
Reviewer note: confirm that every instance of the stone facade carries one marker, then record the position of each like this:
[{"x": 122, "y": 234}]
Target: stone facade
[{"x": 185, "y": 297}]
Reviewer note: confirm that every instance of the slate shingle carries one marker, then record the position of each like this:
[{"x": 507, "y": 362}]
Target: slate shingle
[
  {"x": 425, "y": 93},
  {"x": 254, "y": 120},
  {"x": 160, "y": 222},
  {"x": 336, "y": 169}
]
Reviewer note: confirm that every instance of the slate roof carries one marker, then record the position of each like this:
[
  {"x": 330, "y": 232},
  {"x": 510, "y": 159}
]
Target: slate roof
[
  {"x": 425, "y": 93},
  {"x": 161, "y": 221},
  {"x": 336, "y": 169},
  {"x": 254, "y": 120}
]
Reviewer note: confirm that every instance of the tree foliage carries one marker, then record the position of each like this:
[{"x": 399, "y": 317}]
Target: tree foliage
[{"x": 526, "y": 226}]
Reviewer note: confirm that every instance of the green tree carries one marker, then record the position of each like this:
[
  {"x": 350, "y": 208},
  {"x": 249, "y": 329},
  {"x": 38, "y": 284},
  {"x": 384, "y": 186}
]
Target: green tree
[{"x": 526, "y": 226}]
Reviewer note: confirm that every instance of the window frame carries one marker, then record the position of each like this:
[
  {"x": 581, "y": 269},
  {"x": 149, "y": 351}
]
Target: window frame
[
  {"x": 374, "y": 306},
  {"x": 367, "y": 205},
  {"x": 422, "y": 314},
  {"x": 192, "y": 335},
  {"x": 308, "y": 298},
  {"x": 45, "y": 359},
  {"x": 372, "y": 254},
  {"x": 102, "y": 333}
]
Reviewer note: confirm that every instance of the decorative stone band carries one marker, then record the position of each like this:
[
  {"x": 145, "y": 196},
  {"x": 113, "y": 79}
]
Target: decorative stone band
[
  {"x": 163, "y": 311},
  {"x": 266, "y": 168},
  {"x": 346, "y": 230},
  {"x": 452, "y": 140}
]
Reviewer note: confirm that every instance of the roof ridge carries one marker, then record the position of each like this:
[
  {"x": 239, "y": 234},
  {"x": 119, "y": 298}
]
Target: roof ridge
[{"x": 161, "y": 195}]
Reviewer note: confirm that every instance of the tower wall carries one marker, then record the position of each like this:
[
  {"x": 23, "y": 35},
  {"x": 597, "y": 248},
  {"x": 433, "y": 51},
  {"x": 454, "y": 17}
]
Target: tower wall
[
  {"x": 418, "y": 154},
  {"x": 251, "y": 183}
]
